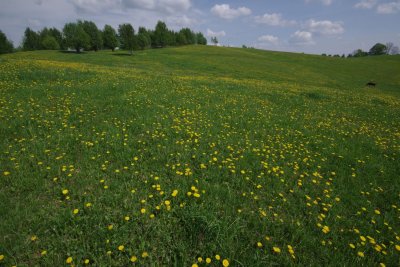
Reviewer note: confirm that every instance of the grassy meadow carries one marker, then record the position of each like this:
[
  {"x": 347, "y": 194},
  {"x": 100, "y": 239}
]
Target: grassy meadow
[{"x": 199, "y": 156}]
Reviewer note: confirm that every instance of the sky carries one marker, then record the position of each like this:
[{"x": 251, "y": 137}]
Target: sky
[{"x": 309, "y": 26}]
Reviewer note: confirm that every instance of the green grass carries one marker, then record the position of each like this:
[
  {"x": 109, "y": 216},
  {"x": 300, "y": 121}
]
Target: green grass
[{"x": 264, "y": 149}]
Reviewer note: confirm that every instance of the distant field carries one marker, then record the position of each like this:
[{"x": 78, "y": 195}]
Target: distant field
[{"x": 199, "y": 155}]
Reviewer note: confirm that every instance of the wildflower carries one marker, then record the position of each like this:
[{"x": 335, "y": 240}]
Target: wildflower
[
  {"x": 398, "y": 247},
  {"x": 259, "y": 244},
  {"x": 133, "y": 259},
  {"x": 76, "y": 211},
  {"x": 88, "y": 205},
  {"x": 33, "y": 238},
  {"x": 167, "y": 202},
  {"x": 87, "y": 261},
  {"x": 121, "y": 248},
  {"x": 6, "y": 173},
  {"x": 145, "y": 254},
  {"x": 208, "y": 260},
  {"x": 195, "y": 265},
  {"x": 360, "y": 254},
  {"x": 126, "y": 218},
  {"x": 143, "y": 211},
  {"x": 352, "y": 246},
  {"x": 200, "y": 259},
  {"x": 326, "y": 229},
  {"x": 225, "y": 263},
  {"x": 217, "y": 257},
  {"x": 69, "y": 260},
  {"x": 276, "y": 250},
  {"x": 174, "y": 193},
  {"x": 44, "y": 252},
  {"x": 2, "y": 257},
  {"x": 110, "y": 227},
  {"x": 65, "y": 191},
  {"x": 382, "y": 264},
  {"x": 377, "y": 212}
]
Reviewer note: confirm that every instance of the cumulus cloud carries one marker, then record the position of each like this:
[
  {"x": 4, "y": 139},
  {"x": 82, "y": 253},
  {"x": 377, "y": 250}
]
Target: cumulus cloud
[
  {"x": 324, "y": 27},
  {"x": 94, "y": 6},
  {"x": 211, "y": 33},
  {"x": 324, "y": 2},
  {"x": 182, "y": 21},
  {"x": 226, "y": 12},
  {"x": 269, "y": 39},
  {"x": 301, "y": 38},
  {"x": 274, "y": 19},
  {"x": 389, "y": 8},
  {"x": 366, "y": 4}
]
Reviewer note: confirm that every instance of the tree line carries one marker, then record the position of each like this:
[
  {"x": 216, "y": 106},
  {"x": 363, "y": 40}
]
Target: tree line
[
  {"x": 376, "y": 50},
  {"x": 85, "y": 35}
]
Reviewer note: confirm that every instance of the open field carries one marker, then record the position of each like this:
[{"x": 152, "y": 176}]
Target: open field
[{"x": 245, "y": 157}]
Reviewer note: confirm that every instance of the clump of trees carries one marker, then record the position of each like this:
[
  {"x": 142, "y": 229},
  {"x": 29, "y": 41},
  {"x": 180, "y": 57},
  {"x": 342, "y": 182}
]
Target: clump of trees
[
  {"x": 6, "y": 45},
  {"x": 85, "y": 35},
  {"x": 377, "y": 50}
]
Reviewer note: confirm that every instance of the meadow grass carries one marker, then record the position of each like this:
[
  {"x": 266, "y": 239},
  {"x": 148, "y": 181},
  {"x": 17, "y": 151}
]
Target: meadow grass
[{"x": 199, "y": 155}]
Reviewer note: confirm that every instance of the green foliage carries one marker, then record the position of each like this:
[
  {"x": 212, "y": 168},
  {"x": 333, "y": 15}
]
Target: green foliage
[
  {"x": 96, "y": 40},
  {"x": 262, "y": 158},
  {"x": 76, "y": 37},
  {"x": 359, "y": 53},
  {"x": 31, "y": 40},
  {"x": 201, "y": 40},
  {"x": 110, "y": 37},
  {"x": 378, "y": 49},
  {"x": 161, "y": 35},
  {"x": 6, "y": 45},
  {"x": 214, "y": 40},
  {"x": 127, "y": 37},
  {"x": 50, "y": 43},
  {"x": 143, "y": 38}
]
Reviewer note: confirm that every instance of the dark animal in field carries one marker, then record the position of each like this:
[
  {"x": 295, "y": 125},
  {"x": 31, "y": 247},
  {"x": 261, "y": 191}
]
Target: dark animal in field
[{"x": 371, "y": 84}]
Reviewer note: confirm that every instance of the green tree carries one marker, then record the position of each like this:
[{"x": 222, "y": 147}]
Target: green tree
[
  {"x": 190, "y": 36},
  {"x": 160, "y": 35},
  {"x": 378, "y": 49},
  {"x": 31, "y": 40},
  {"x": 96, "y": 40},
  {"x": 359, "y": 53},
  {"x": 110, "y": 37},
  {"x": 50, "y": 43},
  {"x": 181, "y": 39},
  {"x": 75, "y": 36},
  {"x": 144, "y": 39},
  {"x": 201, "y": 40},
  {"x": 214, "y": 40},
  {"x": 6, "y": 45},
  {"x": 127, "y": 37}
]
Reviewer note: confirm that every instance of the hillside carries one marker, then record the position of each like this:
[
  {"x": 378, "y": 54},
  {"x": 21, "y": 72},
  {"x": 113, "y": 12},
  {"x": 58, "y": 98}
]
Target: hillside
[{"x": 241, "y": 156}]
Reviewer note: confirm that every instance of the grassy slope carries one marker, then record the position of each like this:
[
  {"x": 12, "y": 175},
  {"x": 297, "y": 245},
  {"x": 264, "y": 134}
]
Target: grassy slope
[{"x": 279, "y": 145}]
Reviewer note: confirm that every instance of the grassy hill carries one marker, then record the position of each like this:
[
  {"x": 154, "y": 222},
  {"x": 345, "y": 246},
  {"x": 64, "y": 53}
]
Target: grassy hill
[{"x": 238, "y": 156}]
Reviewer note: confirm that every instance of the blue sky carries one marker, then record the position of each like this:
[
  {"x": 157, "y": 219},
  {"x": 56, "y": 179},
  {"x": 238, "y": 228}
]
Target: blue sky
[{"x": 310, "y": 26}]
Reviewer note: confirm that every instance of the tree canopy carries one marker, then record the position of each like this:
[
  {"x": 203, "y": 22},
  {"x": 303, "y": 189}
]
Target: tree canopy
[
  {"x": 6, "y": 45},
  {"x": 110, "y": 40},
  {"x": 76, "y": 37}
]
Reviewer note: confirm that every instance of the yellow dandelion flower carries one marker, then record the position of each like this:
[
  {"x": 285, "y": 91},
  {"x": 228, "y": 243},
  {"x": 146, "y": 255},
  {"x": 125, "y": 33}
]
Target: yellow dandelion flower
[
  {"x": 88, "y": 205},
  {"x": 363, "y": 238},
  {"x": 133, "y": 259},
  {"x": 87, "y": 261},
  {"x": 352, "y": 245},
  {"x": 126, "y": 218},
  {"x": 195, "y": 265},
  {"x": 208, "y": 260},
  {"x": 6, "y": 173},
  {"x": 44, "y": 252},
  {"x": 196, "y": 195},
  {"x": 33, "y": 238},
  {"x": 76, "y": 211},
  {"x": 259, "y": 244},
  {"x": 225, "y": 263},
  {"x": 276, "y": 250},
  {"x": 65, "y": 191},
  {"x": 121, "y": 248},
  {"x": 110, "y": 227},
  {"x": 145, "y": 254},
  {"x": 382, "y": 264},
  {"x": 200, "y": 259},
  {"x": 69, "y": 260},
  {"x": 2, "y": 257},
  {"x": 360, "y": 254},
  {"x": 167, "y": 202},
  {"x": 377, "y": 212},
  {"x": 143, "y": 211},
  {"x": 217, "y": 257},
  {"x": 174, "y": 193},
  {"x": 397, "y": 247}
]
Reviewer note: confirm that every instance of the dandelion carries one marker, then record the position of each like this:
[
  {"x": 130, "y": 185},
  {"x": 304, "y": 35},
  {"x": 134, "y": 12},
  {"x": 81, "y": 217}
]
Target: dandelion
[
  {"x": 167, "y": 202},
  {"x": 43, "y": 253},
  {"x": 208, "y": 260},
  {"x": 397, "y": 247},
  {"x": 225, "y": 263},
  {"x": 276, "y": 250},
  {"x": 352, "y": 246},
  {"x": 87, "y": 261},
  {"x": 174, "y": 193},
  {"x": 133, "y": 259},
  {"x": 259, "y": 244},
  {"x": 143, "y": 211},
  {"x": 145, "y": 254},
  {"x": 76, "y": 211},
  {"x": 33, "y": 238},
  {"x": 65, "y": 191},
  {"x": 195, "y": 265},
  {"x": 2, "y": 257},
  {"x": 6, "y": 173},
  {"x": 121, "y": 248},
  {"x": 69, "y": 260},
  {"x": 110, "y": 227},
  {"x": 360, "y": 254},
  {"x": 217, "y": 257},
  {"x": 126, "y": 218},
  {"x": 200, "y": 259}
]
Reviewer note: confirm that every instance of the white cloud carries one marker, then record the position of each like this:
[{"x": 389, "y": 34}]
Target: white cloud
[
  {"x": 366, "y": 4},
  {"x": 182, "y": 21},
  {"x": 226, "y": 12},
  {"x": 269, "y": 39},
  {"x": 274, "y": 19},
  {"x": 324, "y": 27},
  {"x": 389, "y": 8},
  {"x": 172, "y": 6},
  {"x": 141, "y": 4},
  {"x": 302, "y": 38},
  {"x": 211, "y": 33},
  {"x": 94, "y": 6},
  {"x": 324, "y": 2}
]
